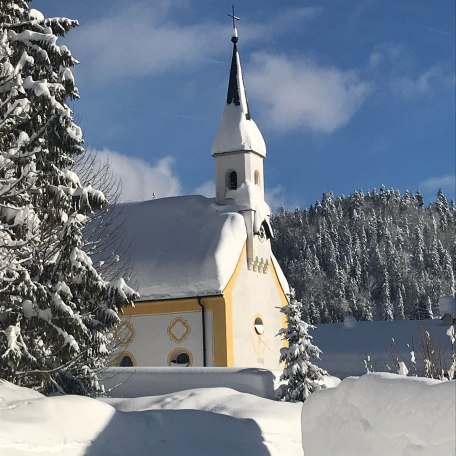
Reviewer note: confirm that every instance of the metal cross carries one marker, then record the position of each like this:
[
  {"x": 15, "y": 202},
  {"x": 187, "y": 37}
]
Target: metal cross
[{"x": 233, "y": 16}]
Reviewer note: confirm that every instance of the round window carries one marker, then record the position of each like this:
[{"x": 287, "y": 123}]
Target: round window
[
  {"x": 180, "y": 357},
  {"x": 258, "y": 325}
]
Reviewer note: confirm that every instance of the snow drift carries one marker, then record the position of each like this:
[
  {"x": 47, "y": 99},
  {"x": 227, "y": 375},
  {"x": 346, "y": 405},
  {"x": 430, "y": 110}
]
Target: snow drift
[{"x": 379, "y": 415}]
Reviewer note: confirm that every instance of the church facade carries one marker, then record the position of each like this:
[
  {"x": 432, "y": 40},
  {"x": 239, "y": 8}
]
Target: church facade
[{"x": 211, "y": 289}]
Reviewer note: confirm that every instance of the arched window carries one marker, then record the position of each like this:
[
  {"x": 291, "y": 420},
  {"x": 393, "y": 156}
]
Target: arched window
[
  {"x": 126, "y": 361},
  {"x": 257, "y": 178},
  {"x": 231, "y": 180}
]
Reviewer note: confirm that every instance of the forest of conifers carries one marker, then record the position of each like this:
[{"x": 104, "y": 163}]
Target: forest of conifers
[{"x": 377, "y": 256}]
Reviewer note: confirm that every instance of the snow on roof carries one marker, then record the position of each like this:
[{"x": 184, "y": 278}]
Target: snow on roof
[
  {"x": 237, "y": 130},
  {"x": 182, "y": 246},
  {"x": 236, "y": 133}
]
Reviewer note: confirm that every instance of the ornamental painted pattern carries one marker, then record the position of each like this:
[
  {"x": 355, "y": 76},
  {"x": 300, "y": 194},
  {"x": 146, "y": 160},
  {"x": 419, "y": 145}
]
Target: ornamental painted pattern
[
  {"x": 124, "y": 333},
  {"x": 179, "y": 330}
]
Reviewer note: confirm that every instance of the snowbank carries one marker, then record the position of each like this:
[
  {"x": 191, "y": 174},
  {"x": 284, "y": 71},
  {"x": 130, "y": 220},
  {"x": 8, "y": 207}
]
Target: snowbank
[
  {"x": 379, "y": 415},
  {"x": 152, "y": 381},
  {"x": 375, "y": 415},
  {"x": 204, "y": 422}
]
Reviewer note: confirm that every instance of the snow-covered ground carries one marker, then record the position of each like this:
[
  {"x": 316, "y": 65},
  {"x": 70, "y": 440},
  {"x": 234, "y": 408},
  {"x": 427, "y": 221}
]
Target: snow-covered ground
[
  {"x": 377, "y": 414},
  {"x": 347, "y": 345}
]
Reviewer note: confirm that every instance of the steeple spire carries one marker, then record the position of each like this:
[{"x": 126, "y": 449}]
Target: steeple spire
[
  {"x": 237, "y": 132},
  {"x": 236, "y": 90}
]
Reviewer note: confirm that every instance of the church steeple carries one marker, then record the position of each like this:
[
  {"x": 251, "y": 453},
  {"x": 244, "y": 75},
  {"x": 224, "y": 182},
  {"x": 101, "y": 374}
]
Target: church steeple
[
  {"x": 238, "y": 147},
  {"x": 236, "y": 90}
]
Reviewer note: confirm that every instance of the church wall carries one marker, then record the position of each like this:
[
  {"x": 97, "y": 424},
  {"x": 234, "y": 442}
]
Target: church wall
[
  {"x": 257, "y": 295},
  {"x": 153, "y": 333}
]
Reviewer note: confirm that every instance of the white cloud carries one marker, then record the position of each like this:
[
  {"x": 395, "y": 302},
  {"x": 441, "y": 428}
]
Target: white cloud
[
  {"x": 142, "y": 38},
  {"x": 446, "y": 183},
  {"x": 392, "y": 66},
  {"x": 300, "y": 94},
  {"x": 409, "y": 87},
  {"x": 141, "y": 180},
  {"x": 277, "y": 198},
  {"x": 138, "y": 40},
  {"x": 206, "y": 189},
  {"x": 385, "y": 53}
]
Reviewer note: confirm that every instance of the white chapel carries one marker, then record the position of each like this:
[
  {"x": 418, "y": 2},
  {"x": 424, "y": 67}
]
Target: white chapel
[{"x": 211, "y": 289}]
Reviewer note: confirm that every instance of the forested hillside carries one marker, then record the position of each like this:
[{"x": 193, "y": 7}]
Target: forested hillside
[{"x": 376, "y": 256}]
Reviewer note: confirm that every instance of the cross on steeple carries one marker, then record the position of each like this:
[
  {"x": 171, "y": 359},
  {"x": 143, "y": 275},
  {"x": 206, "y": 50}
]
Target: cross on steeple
[{"x": 233, "y": 16}]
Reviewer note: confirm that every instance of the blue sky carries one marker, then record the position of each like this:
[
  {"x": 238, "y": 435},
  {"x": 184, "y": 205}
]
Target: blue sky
[{"x": 348, "y": 95}]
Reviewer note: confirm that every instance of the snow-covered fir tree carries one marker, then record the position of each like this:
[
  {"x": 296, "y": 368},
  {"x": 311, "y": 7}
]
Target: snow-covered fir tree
[
  {"x": 55, "y": 309},
  {"x": 302, "y": 377},
  {"x": 376, "y": 255}
]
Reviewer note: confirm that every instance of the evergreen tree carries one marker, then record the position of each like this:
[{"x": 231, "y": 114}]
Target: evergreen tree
[
  {"x": 387, "y": 308},
  {"x": 350, "y": 241},
  {"x": 302, "y": 376},
  {"x": 55, "y": 308}
]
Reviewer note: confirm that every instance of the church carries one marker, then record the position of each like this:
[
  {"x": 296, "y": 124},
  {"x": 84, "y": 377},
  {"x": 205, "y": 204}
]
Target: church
[{"x": 211, "y": 289}]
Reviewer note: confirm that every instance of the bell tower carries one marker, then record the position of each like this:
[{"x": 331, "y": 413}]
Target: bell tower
[
  {"x": 239, "y": 151},
  {"x": 239, "y": 147}
]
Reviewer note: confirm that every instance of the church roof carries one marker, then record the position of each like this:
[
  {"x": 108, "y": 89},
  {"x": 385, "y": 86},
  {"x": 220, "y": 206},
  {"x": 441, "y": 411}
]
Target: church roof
[
  {"x": 182, "y": 246},
  {"x": 237, "y": 131}
]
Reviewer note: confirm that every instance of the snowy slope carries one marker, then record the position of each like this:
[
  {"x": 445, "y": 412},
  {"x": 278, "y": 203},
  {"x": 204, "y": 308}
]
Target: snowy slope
[{"x": 345, "y": 345}]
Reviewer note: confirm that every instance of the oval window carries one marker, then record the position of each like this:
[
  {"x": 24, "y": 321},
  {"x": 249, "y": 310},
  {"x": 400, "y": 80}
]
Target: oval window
[{"x": 258, "y": 325}]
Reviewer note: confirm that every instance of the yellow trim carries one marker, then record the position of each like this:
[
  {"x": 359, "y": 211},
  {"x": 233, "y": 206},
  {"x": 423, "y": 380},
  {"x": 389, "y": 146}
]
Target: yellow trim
[
  {"x": 163, "y": 307},
  {"x": 228, "y": 294},
  {"x": 283, "y": 298},
  {"x": 219, "y": 339},
  {"x": 119, "y": 357}
]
